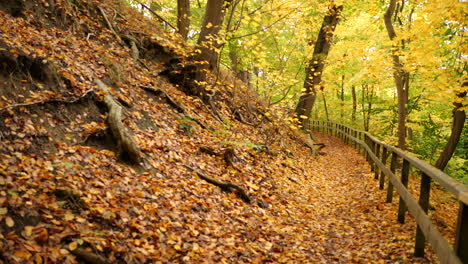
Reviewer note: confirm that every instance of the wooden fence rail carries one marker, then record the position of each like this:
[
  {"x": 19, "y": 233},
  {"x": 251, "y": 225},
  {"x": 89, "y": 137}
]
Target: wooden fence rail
[{"x": 377, "y": 153}]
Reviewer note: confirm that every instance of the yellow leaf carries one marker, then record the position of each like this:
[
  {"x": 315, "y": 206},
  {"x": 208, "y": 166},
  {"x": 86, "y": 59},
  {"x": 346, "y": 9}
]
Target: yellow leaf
[
  {"x": 253, "y": 186},
  {"x": 69, "y": 215},
  {"x": 22, "y": 254},
  {"x": 3, "y": 210},
  {"x": 98, "y": 247},
  {"x": 303, "y": 117},
  {"x": 28, "y": 230},
  {"x": 9, "y": 221},
  {"x": 72, "y": 246},
  {"x": 38, "y": 259}
]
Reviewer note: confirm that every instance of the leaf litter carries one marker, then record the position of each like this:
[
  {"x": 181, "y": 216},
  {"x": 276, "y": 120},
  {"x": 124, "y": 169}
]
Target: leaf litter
[{"x": 61, "y": 199}]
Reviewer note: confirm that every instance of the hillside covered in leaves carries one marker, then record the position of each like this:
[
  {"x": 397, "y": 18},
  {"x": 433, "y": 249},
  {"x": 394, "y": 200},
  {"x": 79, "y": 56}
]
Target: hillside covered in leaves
[{"x": 103, "y": 159}]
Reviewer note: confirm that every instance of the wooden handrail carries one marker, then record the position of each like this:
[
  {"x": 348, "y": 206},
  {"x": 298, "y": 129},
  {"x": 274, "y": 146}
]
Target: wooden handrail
[{"x": 371, "y": 147}]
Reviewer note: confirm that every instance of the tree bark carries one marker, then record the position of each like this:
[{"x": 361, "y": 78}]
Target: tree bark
[
  {"x": 128, "y": 149},
  {"x": 342, "y": 98},
  {"x": 370, "y": 96},
  {"x": 363, "y": 106},
  {"x": 209, "y": 40},
  {"x": 317, "y": 63},
  {"x": 183, "y": 17},
  {"x": 325, "y": 107},
  {"x": 353, "y": 93},
  {"x": 458, "y": 123},
  {"x": 399, "y": 75}
]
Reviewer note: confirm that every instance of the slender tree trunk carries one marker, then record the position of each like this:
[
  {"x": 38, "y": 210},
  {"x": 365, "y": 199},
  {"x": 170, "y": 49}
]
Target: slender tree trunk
[
  {"x": 399, "y": 75},
  {"x": 458, "y": 123},
  {"x": 370, "y": 96},
  {"x": 325, "y": 106},
  {"x": 209, "y": 40},
  {"x": 183, "y": 17},
  {"x": 342, "y": 97},
  {"x": 363, "y": 106},
  {"x": 353, "y": 93},
  {"x": 316, "y": 64}
]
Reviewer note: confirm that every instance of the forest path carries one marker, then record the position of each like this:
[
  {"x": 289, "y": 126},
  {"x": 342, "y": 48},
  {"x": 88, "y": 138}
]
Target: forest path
[{"x": 352, "y": 222}]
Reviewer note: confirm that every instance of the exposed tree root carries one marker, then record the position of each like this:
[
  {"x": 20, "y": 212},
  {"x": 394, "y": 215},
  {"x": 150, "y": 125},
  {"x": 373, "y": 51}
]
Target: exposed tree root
[
  {"x": 90, "y": 257},
  {"x": 229, "y": 155},
  {"x": 163, "y": 94},
  {"x": 53, "y": 100},
  {"x": 109, "y": 24},
  {"x": 320, "y": 146},
  {"x": 208, "y": 150},
  {"x": 176, "y": 105},
  {"x": 305, "y": 139},
  {"x": 135, "y": 52},
  {"x": 225, "y": 186},
  {"x": 128, "y": 150}
]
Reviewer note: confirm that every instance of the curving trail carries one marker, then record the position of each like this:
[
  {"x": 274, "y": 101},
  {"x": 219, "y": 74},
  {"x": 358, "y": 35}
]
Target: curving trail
[{"x": 349, "y": 219}]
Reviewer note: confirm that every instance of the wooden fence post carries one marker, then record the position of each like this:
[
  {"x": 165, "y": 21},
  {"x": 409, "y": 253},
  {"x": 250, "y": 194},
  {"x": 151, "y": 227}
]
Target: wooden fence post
[
  {"x": 362, "y": 138},
  {"x": 342, "y": 135},
  {"x": 461, "y": 240},
  {"x": 382, "y": 174},
  {"x": 404, "y": 180},
  {"x": 347, "y": 135},
  {"x": 372, "y": 147},
  {"x": 354, "y": 142},
  {"x": 393, "y": 164},
  {"x": 424, "y": 203},
  {"x": 366, "y": 141},
  {"x": 377, "y": 154}
]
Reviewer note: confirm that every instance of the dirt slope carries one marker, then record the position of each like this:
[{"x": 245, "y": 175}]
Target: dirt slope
[{"x": 70, "y": 192}]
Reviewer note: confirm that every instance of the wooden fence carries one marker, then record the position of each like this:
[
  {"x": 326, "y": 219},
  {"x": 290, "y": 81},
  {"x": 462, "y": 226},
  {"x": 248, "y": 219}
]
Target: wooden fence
[{"x": 377, "y": 153}]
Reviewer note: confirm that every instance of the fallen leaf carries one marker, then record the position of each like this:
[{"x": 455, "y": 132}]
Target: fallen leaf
[
  {"x": 73, "y": 245},
  {"x": 9, "y": 221}
]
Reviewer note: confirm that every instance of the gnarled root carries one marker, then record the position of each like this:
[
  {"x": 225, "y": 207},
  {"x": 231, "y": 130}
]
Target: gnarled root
[
  {"x": 128, "y": 150},
  {"x": 225, "y": 186}
]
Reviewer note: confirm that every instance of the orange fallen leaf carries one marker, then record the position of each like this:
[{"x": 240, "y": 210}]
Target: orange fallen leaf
[{"x": 22, "y": 254}]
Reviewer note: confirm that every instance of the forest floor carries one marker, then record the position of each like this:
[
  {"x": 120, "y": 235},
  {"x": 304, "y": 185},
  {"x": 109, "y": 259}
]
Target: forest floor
[{"x": 68, "y": 195}]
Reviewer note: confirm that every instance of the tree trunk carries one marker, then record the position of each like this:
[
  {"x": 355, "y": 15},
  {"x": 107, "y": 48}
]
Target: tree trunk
[
  {"x": 399, "y": 75},
  {"x": 342, "y": 98},
  {"x": 316, "y": 64},
  {"x": 457, "y": 128},
  {"x": 209, "y": 40},
  {"x": 363, "y": 107},
  {"x": 353, "y": 93},
  {"x": 183, "y": 17},
  {"x": 325, "y": 106},
  {"x": 370, "y": 96}
]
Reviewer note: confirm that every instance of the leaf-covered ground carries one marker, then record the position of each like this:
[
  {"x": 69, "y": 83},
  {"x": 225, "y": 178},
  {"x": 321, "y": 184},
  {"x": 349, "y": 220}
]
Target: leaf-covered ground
[{"x": 65, "y": 195}]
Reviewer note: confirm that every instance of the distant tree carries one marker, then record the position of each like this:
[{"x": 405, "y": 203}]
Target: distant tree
[
  {"x": 400, "y": 76},
  {"x": 315, "y": 67}
]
